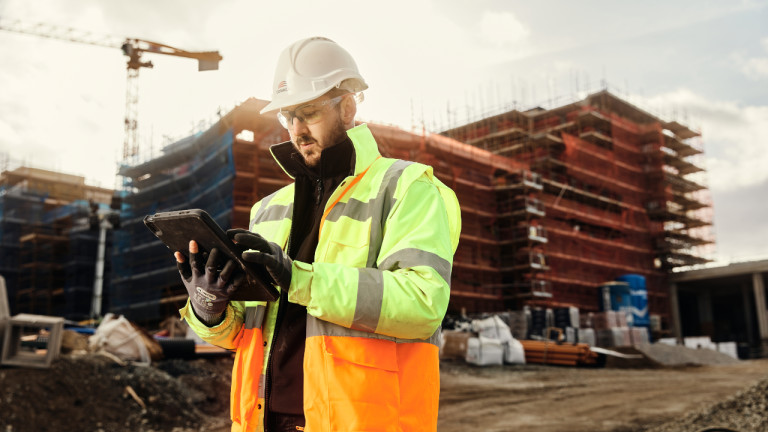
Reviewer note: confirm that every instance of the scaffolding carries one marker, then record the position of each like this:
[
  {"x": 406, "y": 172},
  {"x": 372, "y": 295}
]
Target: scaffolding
[
  {"x": 553, "y": 202},
  {"x": 223, "y": 170},
  {"x": 617, "y": 196},
  {"x": 47, "y": 244}
]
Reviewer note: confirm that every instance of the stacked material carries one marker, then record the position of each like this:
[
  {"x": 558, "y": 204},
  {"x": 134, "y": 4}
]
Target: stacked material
[
  {"x": 549, "y": 352},
  {"x": 613, "y": 337},
  {"x": 494, "y": 328},
  {"x": 587, "y": 336},
  {"x": 608, "y": 319},
  {"x": 488, "y": 342},
  {"x": 611, "y": 330},
  {"x": 454, "y": 344},
  {"x": 517, "y": 321},
  {"x": 483, "y": 351},
  {"x": 541, "y": 320}
]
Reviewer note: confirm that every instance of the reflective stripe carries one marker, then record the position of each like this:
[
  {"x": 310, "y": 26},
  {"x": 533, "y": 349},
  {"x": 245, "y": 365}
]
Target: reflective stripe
[
  {"x": 370, "y": 294},
  {"x": 435, "y": 338},
  {"x": 267, "y": 213},
  {"x": 318, "y": 327},
  {"x": 273, "y": 213},
  {"x": 254, "y": 317},
  {"x": 387, "y": 197},
  {"x": 264, "y": 203},
  {"x": 262, "y": 380},
  {"x": 377, "y": 208},
  {"x": 411, "y": 257},
  {"x": 361, "y": 211}
]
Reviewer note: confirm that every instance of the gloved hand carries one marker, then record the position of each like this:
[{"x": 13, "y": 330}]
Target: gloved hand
[
  {"x": 264, "y": 252},
  {"x": 209, "y": 290}
]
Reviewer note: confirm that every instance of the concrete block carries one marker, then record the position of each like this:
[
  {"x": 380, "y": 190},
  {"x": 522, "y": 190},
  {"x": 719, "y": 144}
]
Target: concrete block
[{"x": 21, "y": 325}]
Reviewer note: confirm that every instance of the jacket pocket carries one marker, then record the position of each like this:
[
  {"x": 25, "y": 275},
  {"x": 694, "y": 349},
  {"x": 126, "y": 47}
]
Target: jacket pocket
[
  {"x": 363, "y": 383},
  {"x": 246, "y": 397},
  {"x": 348, "y": 243}
]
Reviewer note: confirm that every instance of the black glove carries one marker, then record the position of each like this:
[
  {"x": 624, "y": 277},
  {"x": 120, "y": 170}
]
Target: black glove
[
  {"x": 266, "y": 253},
  {"x": 209, "y": 290}
]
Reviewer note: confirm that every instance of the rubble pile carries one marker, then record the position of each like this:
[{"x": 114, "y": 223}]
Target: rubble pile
[
  {"x": 745, "y": 411},
  {"x": 94, "y": 392}
]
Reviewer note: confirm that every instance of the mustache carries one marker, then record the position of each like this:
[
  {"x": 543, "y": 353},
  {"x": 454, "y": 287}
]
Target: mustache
[{"x": 304, "y": 139}]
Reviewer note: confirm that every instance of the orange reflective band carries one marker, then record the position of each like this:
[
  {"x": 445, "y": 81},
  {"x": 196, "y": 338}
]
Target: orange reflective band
[{"x": 344, "y": 192}]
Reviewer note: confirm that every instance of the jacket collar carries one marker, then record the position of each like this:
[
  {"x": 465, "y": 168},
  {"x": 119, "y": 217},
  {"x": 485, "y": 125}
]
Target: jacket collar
[{"x": 365, "y": 152}]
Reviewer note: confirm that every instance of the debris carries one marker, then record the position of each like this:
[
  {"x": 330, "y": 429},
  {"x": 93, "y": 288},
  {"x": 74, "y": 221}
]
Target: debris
[
  {"x": 744, "y": 411},
  {"x": 122, "y": 338},
  {"x": 72, "y": 341},
  {"x": 135, "y": 397},
  {"x": 112, "y": 357},
  {"x": 88, "y": 392}
]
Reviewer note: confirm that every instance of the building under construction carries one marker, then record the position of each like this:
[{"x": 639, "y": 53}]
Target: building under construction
[
  {"x": 554, "y": 202},
  {"x": 49, "y": 240},
  {"x": 613, "y": 196}
]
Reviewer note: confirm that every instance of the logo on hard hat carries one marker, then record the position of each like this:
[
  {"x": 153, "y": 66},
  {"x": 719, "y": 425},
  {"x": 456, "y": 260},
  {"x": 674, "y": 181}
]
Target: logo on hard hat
[{"x": 283, "y": 86}]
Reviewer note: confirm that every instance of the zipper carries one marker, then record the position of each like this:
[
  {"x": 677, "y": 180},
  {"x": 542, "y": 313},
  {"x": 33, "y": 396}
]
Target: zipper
[{"x": 318, "y": 191}]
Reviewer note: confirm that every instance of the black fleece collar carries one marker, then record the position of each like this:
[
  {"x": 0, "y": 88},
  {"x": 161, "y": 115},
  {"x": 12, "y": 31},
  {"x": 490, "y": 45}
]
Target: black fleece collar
[{"x": 335, "y": 160}]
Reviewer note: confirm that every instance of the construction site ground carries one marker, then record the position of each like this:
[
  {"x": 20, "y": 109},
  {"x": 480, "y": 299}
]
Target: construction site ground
[{"x": 93, "y": 392}]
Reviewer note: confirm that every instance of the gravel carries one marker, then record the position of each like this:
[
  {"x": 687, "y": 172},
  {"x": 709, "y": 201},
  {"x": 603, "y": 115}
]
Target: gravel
[{"x": 746, "y": 411}]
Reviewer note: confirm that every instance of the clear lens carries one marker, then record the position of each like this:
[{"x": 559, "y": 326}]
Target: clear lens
[
  {"x": 307, "y": 114},
  {"x": 283, "y": 120}
]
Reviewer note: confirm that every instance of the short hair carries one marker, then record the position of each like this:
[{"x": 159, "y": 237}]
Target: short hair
[{"x": 347, "y": 86}]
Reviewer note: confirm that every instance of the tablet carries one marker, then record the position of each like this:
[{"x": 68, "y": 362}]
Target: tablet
[{"x": 176, "y": 228}]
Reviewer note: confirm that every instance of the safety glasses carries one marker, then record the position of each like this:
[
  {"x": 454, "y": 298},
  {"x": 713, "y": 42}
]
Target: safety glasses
[{"x": 308, "y": 114}]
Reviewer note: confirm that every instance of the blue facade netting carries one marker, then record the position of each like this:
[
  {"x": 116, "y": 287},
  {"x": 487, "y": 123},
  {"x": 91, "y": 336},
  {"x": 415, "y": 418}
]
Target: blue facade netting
[
  {"x": 144, "y": 270},
  {"x": 75, "y": 209},
  {"x": 80, "y": 273},
  {"x": 47, "y": 252}
]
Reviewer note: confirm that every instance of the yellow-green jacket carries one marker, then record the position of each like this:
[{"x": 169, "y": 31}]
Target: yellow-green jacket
[{"x": 375, "y": 295}]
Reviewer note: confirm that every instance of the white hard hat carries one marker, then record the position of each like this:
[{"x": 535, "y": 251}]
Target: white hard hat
[{"x": 308, "y": 69}]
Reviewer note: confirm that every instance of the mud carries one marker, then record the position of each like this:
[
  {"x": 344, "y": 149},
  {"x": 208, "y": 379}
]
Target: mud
[{"x": 89, "y": 393}]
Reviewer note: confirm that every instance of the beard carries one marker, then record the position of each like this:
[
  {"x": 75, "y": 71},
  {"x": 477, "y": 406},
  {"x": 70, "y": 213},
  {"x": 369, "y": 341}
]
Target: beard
[{"x": 312, "y": 153}]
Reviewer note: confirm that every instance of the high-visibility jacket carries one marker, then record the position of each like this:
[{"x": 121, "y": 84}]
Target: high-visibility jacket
[{"x": 375, "y": 295}]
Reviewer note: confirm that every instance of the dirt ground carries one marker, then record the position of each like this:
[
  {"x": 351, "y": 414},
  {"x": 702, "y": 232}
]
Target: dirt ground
[
  {"x": 556, "y": 399},
  {"x": 90, "y": 393}
]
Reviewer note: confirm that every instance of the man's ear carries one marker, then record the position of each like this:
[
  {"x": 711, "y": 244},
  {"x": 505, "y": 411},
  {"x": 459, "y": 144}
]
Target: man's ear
[{"x": 348, "y": 110}]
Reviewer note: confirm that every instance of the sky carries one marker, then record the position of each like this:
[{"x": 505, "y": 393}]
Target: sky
[{"x": 430, "y": 64}]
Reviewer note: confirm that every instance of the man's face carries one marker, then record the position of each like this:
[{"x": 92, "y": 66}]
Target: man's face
[{"x": 314, "y": 126}]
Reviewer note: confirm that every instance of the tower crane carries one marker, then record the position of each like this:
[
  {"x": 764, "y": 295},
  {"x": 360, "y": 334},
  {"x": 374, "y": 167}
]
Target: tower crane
[{"x": 132, "y": 48}]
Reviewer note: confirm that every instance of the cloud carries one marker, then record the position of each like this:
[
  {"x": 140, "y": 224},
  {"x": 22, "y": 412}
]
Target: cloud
[
  {"x": 740, "y": 222},
  {"x": 502, "y": 28},
  {"x": 733, "y": 134},
  {"x": 734, "y": 137},
  {"x": 755, "y": 67}
]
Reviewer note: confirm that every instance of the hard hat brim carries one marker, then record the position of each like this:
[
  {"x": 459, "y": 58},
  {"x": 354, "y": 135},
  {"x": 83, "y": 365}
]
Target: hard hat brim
[{"x": 274, "y": 106}]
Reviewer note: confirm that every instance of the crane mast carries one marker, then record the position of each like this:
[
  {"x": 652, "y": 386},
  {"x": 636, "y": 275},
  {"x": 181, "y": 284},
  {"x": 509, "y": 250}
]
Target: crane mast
[{"x": 133, "y": 49}]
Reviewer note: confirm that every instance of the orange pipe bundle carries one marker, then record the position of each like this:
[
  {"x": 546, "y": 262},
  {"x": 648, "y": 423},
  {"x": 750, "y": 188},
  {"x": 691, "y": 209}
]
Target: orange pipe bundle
[{"x": 550, "y": 352}]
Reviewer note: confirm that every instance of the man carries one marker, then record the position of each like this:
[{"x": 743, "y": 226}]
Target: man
[{"x": 360, "y": 247}]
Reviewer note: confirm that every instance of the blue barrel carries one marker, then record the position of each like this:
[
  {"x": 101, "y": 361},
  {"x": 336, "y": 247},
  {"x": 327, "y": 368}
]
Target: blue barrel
[{"x": 639, "y": 298}]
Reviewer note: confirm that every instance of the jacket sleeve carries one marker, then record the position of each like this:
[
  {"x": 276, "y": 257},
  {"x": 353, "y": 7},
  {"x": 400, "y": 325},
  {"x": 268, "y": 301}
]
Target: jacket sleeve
[
  {"x": 407, "y": 295},
  {"x": 226, "y": 334}
]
